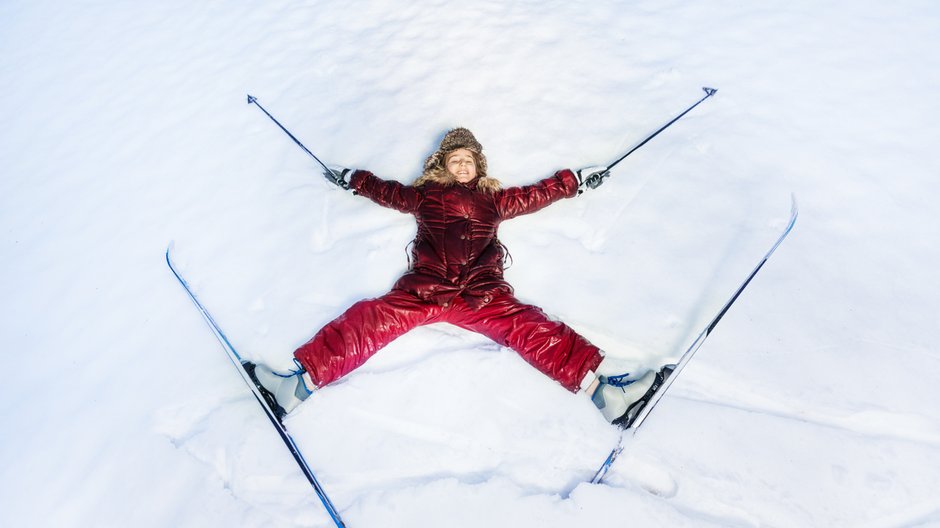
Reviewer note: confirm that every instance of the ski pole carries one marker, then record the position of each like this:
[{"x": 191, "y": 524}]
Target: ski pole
[
  {"x": 708, "y": 93},
  {"x": 326, "y": 170}
]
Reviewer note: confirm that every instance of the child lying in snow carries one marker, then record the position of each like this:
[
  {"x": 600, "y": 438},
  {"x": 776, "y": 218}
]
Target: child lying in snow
[{"x": 456, "y": 276}]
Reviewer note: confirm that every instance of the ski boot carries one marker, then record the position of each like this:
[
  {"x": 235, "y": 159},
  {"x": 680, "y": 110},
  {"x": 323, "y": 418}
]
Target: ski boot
[
  {"x": 620, "y": 398},
  {"x": 283, "y": 391},
  {"x": 633, "y": 410}
]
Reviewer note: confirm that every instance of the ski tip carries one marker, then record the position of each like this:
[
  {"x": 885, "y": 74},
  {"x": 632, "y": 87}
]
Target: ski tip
[
  {"x": 794, "y": 208},
  {"x": 169, "y": 259},
  {"x": 709, "y": 91},
  {"x": 251, "y": 98}
]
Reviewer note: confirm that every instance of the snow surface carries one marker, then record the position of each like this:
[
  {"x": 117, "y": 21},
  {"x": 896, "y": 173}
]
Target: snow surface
[{"x": 125, "y": 127}]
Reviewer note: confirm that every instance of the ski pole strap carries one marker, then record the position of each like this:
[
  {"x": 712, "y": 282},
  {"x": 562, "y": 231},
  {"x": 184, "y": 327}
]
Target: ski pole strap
[{"x": 708, "y": 93}]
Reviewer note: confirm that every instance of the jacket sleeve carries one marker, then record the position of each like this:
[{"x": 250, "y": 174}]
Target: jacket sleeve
[
  {"x": 517, "y": 201},
  {"x": 393, "y": 194}
]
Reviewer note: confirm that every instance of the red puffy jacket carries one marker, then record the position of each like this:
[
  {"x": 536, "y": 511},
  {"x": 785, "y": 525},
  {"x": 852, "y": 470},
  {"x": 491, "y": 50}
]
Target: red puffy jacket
[{"x": 456, "y": 250}]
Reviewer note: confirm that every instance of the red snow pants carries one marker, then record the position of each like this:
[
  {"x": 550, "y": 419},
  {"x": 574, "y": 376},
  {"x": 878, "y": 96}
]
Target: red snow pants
[{"x": 348, "y": 341}]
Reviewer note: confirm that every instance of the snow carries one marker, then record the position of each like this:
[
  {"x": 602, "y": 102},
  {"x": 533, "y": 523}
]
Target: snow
[{"x": 125, "y": 127}]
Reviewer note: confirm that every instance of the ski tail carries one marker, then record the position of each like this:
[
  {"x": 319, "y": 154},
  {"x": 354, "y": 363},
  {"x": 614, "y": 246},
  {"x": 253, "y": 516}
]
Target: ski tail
[
  {"x": 240, "y": 365},
  {"x": 641, "y": 416}
]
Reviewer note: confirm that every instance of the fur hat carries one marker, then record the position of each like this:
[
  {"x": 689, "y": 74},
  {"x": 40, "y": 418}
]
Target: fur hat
[{"x": 435, "y": 169}]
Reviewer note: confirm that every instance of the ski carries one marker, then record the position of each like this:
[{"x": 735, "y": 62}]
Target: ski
[
  {"x": 243, "y": 368},
  {"x": 637, "y": 416}
]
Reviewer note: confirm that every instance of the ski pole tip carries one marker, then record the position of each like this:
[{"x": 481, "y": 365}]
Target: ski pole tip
[
  {"x": 709, "y": 91},
  {"x": 251, "y": 98}
]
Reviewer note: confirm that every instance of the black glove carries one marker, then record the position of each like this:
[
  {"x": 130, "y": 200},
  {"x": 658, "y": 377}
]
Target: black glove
[
  {"x": 592, "y": 177},
  {"x": 339, "y": 176}
]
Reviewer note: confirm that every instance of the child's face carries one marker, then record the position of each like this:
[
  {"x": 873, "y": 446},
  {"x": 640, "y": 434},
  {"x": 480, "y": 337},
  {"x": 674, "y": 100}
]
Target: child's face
[{"x": 462, "y": 165}]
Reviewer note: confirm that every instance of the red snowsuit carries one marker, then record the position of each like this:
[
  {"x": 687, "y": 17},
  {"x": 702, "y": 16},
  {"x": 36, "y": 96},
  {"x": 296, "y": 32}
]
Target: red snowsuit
[{"x": 456, "y": 277}]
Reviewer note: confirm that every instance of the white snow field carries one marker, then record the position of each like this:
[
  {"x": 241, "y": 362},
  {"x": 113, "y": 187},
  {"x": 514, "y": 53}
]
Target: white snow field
[{"x": 125, "y": 126}]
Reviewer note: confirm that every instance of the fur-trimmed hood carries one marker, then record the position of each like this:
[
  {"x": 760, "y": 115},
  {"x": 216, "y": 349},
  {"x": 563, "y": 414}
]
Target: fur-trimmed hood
[
  {"x": 435, "y": 170},
  {"x": 442, "y": 177}
]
